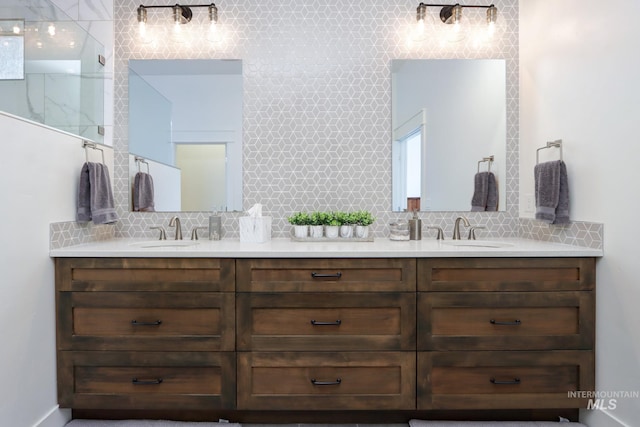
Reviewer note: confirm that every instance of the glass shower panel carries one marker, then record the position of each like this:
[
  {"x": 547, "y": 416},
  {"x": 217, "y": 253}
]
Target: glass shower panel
[{"x": 63, "y": 83}]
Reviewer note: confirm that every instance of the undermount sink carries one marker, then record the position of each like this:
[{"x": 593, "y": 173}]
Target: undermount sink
[
  {"x": 477, "y": 243},
  {"x": 165, "y": 243}
]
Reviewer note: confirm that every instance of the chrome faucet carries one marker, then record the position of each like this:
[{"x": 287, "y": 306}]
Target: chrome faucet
[
  {"x": 175, "y": 222},
  {"x": 456, "y": 227}
]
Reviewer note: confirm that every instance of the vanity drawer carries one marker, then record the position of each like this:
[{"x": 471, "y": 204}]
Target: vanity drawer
[
  {"x": 505, "y": 320},
  {"x": 183, "y": 321},
  {"x": 506, "y": 274},
  {"x": 326, "y": 321},
  {"x": 349, "y": 380},
  {"x": 507, "y": 380},
  {"x": 144, "y": 380},
  {"x": 145, "y": 274},
  {"x": 326, "y": 275}
]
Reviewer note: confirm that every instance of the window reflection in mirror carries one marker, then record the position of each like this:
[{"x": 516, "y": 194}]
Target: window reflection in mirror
[
  {"x": 447, "y": 114},
  {"x": 185, "y": 120}
]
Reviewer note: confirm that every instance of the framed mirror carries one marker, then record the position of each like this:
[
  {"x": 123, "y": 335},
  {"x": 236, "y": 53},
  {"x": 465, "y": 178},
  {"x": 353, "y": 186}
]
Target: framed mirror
[
  {"x": 448, "y": 115},
  {"x": 185, "y": 130}
]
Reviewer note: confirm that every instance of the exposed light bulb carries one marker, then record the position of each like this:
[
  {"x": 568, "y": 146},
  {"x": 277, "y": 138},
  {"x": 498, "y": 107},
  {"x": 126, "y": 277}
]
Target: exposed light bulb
[
  {"x": 213, "y": 35},
  {"x": 492, "y": 17},
  {"x": 142, "y": 21},
  {"x": 16, "y": 29},
  {"x": 457, "y": 32},
  {"x": 51, "y": 29},
  {"x": 419, "y": 30}
]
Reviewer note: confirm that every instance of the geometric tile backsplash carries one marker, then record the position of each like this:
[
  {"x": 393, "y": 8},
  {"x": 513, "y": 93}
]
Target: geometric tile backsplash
[{"x": 316, "y": 106}]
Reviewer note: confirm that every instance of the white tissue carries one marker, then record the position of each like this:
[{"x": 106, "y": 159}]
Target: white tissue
[
  {"x": 255, "y": 211},
  {"x": 255, "y": 228}
]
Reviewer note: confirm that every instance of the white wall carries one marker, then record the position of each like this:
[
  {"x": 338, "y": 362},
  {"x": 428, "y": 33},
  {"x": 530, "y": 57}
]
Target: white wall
[
  {"x": 38, "y": 185},
  {"x": 579, "y": 81}
]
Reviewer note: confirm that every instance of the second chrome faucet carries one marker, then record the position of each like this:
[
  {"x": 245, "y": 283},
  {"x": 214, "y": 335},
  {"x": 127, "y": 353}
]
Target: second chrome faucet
[
  {"x": 456, "y": 227},
  {"x": 175, "y": 222}
]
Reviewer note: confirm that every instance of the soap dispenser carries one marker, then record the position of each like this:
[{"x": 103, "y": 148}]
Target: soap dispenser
[
  {"x": 215, "y": 226},
  {"x": 415, "y": 227}
]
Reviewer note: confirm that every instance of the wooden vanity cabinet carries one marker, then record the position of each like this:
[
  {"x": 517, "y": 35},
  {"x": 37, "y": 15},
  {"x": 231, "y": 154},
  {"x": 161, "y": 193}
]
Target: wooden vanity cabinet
[
  {"x": 505, "y": 333},
  {"x": 146, "y": 333},
  {"x": 399, "y": 336}
]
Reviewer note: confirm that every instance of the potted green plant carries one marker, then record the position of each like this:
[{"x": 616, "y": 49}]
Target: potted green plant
[
  {"x": 346, "y": 224},
  {"x": 332, "y": 225},
  {"x": 300, "y": 222},
  {"x": 362, "y": 219},
  {"x": 316, "y": 224}
]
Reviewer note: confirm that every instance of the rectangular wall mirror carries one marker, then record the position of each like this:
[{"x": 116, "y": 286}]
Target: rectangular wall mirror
[
  {"x": 447, "y": 116},
  {"x": 185, "y": 130}
]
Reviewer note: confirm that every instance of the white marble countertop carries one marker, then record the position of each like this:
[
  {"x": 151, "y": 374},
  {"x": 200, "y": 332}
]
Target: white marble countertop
[{"x": 285, "y": 248}]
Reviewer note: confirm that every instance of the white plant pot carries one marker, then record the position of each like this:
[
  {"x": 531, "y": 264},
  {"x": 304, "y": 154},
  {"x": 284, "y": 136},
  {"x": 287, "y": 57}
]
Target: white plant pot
[
  {"x": 301, "y": 231},
  {"x": 331, "y": 231},
  {"x": 362, "y": 231},
  {"x": 346, "y": 231},
  {"x": 316, "y": 231}
]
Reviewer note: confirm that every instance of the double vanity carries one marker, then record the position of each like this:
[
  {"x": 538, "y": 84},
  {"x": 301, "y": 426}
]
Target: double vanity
[{"x": 288, "y": 331}]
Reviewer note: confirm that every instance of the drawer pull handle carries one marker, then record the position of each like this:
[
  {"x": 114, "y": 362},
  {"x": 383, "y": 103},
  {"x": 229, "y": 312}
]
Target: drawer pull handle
[
  {"x": 326, "y": 276},
  {"x": 156, "y": 323},
  {"x": 514, "y": 323},
  {"x": 136, "y": 381},
  {"x": 336, "y": 382},
  {"x": 509, "y": 382},
  {"x": 336, "y": 323}
]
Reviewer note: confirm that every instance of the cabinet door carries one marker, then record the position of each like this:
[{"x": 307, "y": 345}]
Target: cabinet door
[
  {"x": 146, "y": 380},
  {"x": 506, "y": 320},
  {"x": 506, "y": 274},
  {"x": 503, "y": 380},
  {"x": 146, "y": 321},
  {"x": 326, "y": 321},
  {"x": 326, "y": 275},
  {"x": 325, "y": 381}
]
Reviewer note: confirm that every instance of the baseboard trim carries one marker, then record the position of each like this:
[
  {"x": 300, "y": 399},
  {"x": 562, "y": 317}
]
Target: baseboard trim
[{"x": 56, "y": 417}]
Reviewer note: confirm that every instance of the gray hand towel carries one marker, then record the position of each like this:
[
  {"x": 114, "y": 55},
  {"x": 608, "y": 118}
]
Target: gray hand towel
[
  {"x": 550, "y": 182},
  {"x": 84, "y": 196},
  {"x": 492, "y": 193},
  {"x": 480, "y": 192},
  {"x": 95, "y": 197},
  {"x": 143, "y": 196},
  {"x": 562, "y": 210}
]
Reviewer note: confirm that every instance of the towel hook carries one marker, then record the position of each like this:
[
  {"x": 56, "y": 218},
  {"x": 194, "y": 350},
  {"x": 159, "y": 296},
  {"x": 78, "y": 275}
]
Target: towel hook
[
  {"x": 86, "y": 144},
  {"x": 139, "y": 160},
  {"x": 486, "y": 159},
  {"x": 557, "y": 143}
]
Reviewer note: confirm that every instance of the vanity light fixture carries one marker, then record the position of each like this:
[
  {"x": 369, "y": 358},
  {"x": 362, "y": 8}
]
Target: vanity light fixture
[
  {"x": 182, "y": 14},
  {"x": 451, "y": 14}
]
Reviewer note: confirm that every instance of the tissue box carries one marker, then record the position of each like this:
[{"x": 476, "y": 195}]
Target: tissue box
[{"x": 255, "y": 229}]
